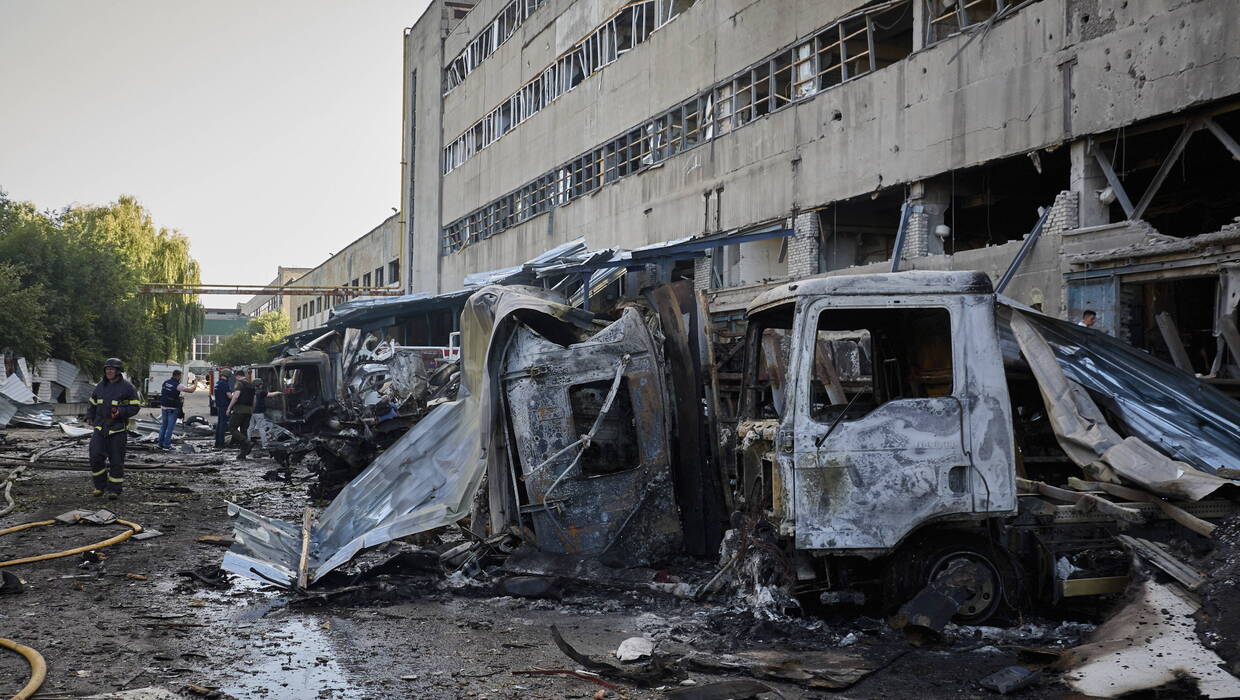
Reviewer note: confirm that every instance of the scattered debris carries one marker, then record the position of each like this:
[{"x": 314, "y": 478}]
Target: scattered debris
[
  {"x": 832, "y": 669},
  {"x": 10, "y": 583},
  {"x": 1149, "y": 643},
  {"x": 721, "y": 690},
  {"x": 1010, "y": 680},
  {"x": 635, "y": 648},
  {"x": 1218, "y": 621},
  {"x": 655, "y": 672}
]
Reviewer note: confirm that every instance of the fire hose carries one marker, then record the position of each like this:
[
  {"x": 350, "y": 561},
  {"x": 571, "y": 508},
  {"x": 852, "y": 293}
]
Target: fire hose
[
  {"x": 38, "y": 667},
  {"x": 134, "y": 529}
]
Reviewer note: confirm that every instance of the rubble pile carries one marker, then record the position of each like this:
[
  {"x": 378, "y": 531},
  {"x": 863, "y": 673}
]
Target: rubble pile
[{"x": 1218, "y": 621}]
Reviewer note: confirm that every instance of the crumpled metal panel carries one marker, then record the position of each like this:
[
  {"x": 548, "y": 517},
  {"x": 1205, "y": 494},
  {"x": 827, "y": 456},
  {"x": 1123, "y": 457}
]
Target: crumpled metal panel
[
  {"x": 427, "y": 479},
  {"x": 1083, "y": 433},
  {"x": 611, "y": 497},
  {"x": 1172, "y": 410}
]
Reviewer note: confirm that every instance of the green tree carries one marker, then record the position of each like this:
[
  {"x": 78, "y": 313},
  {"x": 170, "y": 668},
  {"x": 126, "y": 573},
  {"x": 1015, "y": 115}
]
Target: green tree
[
  {"x": 21, "y": 315},
  {"x": 89, "y": 262},
  {"x": 249, "y": 345}
]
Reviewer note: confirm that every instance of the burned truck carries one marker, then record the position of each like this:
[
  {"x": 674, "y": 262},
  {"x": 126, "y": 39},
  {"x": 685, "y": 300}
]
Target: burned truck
[
  {"x": 346, "y": 397},
  {"x": 895, "y": 426}
]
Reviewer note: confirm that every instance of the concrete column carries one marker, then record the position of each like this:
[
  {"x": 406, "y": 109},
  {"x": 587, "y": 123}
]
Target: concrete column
[
  {"x": 919, "y": 25},
  {"x": 1086, "y": 179},
  {"x": 803, "y": 246},
  {"x": 929, "y": 202}
]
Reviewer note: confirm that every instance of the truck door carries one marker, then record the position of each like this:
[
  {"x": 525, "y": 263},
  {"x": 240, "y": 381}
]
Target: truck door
[{"x": 879, "y": 423}]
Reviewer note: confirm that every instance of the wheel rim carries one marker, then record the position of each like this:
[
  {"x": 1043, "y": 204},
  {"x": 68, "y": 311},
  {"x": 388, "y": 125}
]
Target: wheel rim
[{"x": 983, "y": 603}]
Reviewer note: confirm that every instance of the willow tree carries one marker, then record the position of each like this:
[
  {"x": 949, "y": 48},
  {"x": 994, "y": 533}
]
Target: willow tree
[{"x": 90, "y": 261}]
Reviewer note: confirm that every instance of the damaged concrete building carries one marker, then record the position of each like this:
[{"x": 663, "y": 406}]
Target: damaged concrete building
[{"x": 1108, "y": 126}]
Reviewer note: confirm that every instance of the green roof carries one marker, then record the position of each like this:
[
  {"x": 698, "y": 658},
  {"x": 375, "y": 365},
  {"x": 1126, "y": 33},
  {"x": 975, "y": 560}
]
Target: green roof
[{"x": 222, "y": 326}]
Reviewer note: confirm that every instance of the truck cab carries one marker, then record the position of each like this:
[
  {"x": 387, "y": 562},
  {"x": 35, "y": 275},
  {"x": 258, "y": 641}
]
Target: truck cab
[{"x": 885, "y": 407}]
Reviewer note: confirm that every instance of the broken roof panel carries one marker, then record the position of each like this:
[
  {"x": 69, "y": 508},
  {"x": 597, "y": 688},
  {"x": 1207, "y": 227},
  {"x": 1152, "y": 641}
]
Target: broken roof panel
[
  {"x": 1172, "y": 410},
  {"x": 14, "y": 388}
]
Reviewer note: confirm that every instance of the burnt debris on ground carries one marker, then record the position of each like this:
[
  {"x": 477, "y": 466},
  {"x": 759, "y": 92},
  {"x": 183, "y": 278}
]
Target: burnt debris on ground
[{"x": 953, "y": 493}]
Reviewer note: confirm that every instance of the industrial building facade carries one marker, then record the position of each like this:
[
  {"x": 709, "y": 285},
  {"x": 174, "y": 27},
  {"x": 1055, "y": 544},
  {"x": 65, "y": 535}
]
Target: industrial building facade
[{"x": 961, "y": 124}]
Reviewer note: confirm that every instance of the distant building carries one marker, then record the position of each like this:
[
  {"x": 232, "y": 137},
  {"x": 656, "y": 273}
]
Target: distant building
[
  {"x": 376, "y": 259},
  {"x": 217, "y": 324},
  {"x": 266, "y": 303}
]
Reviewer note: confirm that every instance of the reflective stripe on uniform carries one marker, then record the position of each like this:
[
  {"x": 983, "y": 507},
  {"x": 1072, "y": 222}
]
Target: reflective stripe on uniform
[
  {"x": 95, "y": 400},
  {"x": 118, "y": 430},
  {"x": 101, "y": 472},
  {"x": 129, "y": 402},
  {"x": 114, "y": 480}
]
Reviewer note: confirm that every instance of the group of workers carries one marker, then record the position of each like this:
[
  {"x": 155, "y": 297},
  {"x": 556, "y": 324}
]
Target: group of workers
[
  {"x": 114, "y": 401},
  {"x": 237, "y": 400}
]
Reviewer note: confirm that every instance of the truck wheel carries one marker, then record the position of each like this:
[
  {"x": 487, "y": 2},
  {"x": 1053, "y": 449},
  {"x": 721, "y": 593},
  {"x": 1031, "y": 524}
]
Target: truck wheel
[{"x": 920, "y": 562}]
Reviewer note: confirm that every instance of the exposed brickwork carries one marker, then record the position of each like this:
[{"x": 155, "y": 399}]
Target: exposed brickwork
[
  {"x": 803, "y": 246},
  {"x": 701, "y": 272},
  {"x": 1065, "y": 213}
]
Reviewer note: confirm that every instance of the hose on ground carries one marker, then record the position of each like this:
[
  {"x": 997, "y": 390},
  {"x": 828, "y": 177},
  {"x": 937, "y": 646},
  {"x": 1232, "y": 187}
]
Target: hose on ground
[
  {"x": 38, "y": 667},
  {"x": 134, "y": 529},
  {"x": 8, "y": 488}
]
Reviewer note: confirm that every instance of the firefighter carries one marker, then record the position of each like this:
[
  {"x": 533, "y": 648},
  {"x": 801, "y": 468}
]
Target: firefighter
[{"x": 113, "y": 402}]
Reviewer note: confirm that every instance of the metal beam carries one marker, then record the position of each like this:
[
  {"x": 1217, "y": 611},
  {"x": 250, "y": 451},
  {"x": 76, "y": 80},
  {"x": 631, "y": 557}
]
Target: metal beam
[
  {"x": 901, "y": 233},
  {"x": 1112, "y": 179},
  {"x": 1141, "y": 268},
  {"x": 1165, "y": 168},
  {"x": 260, "y": 290},
  {"x": 1030, "y": 241},
  {"x": 1223, "y": 137}
]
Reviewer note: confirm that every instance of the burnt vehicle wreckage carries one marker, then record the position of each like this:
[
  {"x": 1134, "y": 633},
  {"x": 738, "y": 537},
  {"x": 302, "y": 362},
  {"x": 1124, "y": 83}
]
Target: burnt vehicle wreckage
[{"x": 907, "y": 442}]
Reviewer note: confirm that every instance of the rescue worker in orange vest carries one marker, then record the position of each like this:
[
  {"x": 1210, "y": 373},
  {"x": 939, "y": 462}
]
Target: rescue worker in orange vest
[{"x": 113, "y": 402}]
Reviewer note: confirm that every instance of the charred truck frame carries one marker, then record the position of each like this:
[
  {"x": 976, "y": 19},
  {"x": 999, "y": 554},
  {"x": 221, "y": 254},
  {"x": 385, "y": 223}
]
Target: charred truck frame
[{"x": 884, "y": 441}]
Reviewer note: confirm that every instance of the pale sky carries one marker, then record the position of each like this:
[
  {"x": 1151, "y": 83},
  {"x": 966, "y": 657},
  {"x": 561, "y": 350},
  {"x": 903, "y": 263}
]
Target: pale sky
[{"x": 267, "y": 131}]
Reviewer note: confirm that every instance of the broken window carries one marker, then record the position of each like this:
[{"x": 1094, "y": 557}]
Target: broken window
[
  {"x": 867, "y": 357},
  {"x": 853, "y": 46},
  {"x": 947, "y": 17},
  {"x": 618, "y": 35},
  {"x": 493, "y": 35},
  {"x": 766, "y": 359},
  {"x": 614, "y": 447}
]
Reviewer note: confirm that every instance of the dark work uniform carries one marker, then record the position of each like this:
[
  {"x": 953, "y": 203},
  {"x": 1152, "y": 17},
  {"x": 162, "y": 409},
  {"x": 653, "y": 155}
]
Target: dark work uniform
[
  {"x": 239, "y": 417},
  {"x": 222, "y": 387},
  {"x": 107, "y": 442}
]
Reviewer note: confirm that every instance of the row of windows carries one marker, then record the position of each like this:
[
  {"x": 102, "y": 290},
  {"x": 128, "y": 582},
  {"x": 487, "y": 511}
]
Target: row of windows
[
  {"x": 204, "y": 344},
  {"x": 496, "y": 33},
  {"x": 846, "y": 49},
  {"x": 615, "y": 37},
  {"x": 328, "y": 301}
]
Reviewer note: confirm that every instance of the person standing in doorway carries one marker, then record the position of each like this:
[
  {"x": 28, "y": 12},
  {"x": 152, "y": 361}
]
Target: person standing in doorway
[
  {"x": 170, "y": 406},
  {"x": 223, "y": 387},
  {"x": 240, "y": 410},
  {"x": 113, "y": 402},
  {"x": 1088, "y": 318}
]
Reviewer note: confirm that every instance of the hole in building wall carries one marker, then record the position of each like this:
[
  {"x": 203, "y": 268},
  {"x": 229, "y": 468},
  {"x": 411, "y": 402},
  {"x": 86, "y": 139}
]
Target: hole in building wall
[
  {"x": 859, "y": 231},
  {"x": 1189, "y": 301},
  {"x": 1199, "y": 194},
  {"x": 998, "y": 202}
]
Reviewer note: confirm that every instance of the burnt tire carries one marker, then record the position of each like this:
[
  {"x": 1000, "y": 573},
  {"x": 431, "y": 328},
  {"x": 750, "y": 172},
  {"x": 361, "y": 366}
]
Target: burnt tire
[{"x": 917, "y": 563}]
